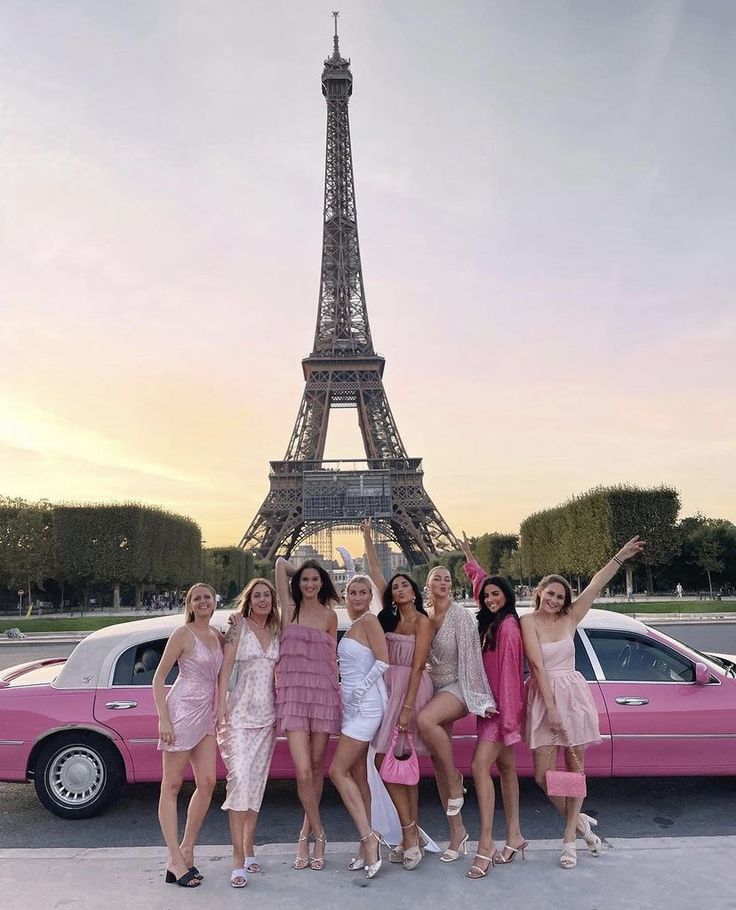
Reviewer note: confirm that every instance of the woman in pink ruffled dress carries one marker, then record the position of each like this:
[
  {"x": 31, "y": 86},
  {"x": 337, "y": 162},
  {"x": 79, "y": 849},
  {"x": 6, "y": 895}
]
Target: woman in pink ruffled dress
[
  {"x": 560, "y": 708},
  {"x": 308, "y": 689},
  {"x": 503, "y": 660}
]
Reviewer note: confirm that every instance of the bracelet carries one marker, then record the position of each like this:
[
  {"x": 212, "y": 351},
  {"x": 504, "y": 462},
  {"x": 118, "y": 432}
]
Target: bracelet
[
  {"x": 619, "y": 561},
  {"x": 410, "y": 707}
]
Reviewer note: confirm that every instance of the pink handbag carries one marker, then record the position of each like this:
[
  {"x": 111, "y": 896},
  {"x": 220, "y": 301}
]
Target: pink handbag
[
  {"x": 400, "y": 764},
  {"x": 567, "y": 783}
]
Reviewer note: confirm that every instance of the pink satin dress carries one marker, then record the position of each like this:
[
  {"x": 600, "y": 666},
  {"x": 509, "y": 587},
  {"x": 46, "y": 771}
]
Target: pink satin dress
[
  {"x": 192, "y": 700},
  {"x": 400, "y": 659}
]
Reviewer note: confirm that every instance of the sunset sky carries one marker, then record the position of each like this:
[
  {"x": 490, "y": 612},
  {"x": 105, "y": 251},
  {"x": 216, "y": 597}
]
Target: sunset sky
[{"x": 547, "y": 212}]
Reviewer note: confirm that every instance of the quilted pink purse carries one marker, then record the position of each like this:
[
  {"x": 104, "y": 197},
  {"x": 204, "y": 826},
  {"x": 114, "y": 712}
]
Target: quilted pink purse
[
  {"x": 400, "y": 764},
  {"x": 567, "y": 783}
]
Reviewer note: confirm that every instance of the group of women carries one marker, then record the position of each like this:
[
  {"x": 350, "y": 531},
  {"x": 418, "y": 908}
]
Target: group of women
[{"x": 410, "y": 670}]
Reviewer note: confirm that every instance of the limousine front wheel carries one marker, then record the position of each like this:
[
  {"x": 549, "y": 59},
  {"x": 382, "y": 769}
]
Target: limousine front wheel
[{"x": 78, "y": 775}]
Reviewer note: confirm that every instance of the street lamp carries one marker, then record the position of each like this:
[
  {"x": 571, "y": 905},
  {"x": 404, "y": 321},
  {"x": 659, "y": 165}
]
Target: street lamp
[{"x": 204, "y": 570}]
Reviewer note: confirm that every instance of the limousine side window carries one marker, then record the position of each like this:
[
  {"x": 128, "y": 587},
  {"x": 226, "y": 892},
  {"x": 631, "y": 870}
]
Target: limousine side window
[
  {"x": 136, "y": 666},
  {"x": 629, "y": 657}
]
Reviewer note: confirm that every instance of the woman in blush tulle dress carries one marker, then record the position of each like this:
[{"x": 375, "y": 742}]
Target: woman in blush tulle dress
[
  {"x": 246, "y": 727},
  {"x": 308, "y": 690},
  {"x": 187, "y": 717},
  {"x": 409, "y": 638},
  {"x": 503, "y": 659},
  {"x": 363, "y": 661},
  {"x": 560, "y": 708}
]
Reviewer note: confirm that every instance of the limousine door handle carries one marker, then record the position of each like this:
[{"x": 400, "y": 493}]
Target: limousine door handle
[
  {"x": 120, "y": 705},
  {"x": 626, "y": 700}
]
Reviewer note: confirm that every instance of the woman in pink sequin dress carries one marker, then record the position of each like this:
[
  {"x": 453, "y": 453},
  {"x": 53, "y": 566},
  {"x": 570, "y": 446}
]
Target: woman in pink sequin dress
[
  {"x": 187, "y": 717},
  {"x": 308, "y": 690},
  {"x": 560, "y": 709},
  {"x": 503, "y": 660},
  {"x": 246, "y": 716}
]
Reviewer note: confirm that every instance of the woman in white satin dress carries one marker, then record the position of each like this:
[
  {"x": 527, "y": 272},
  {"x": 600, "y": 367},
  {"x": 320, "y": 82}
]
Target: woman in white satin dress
[{"x": 363, "y": 655}]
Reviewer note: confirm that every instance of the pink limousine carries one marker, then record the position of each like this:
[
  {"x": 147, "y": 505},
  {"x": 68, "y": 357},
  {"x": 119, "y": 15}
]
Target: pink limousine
[{"x": 81, "y": 727}]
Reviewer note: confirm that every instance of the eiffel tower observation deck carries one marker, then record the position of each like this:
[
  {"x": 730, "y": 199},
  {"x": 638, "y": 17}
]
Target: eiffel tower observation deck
[{"x": 308, "y": 493}]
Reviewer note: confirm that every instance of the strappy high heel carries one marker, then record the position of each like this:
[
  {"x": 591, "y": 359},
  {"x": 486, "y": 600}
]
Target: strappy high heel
[
  {"x": 413, "y": 855},
  {"x": 475, "y": 870},
  {"x": 592, "y": 841},
  {"x": 372, "y": 869},
  {"x": 504, "y": 860},
  {"x": 299, "y": 861},
  {"x": 450, "y": 855},
  {"x": 317, "y": 863},
  {"x": 569, "y": 856},
  {"x": 454, "y": 805},
  {"x": 188, "y": 880}
]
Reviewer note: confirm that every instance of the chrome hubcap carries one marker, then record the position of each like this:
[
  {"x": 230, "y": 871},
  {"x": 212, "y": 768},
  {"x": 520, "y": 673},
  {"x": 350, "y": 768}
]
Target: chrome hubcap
[{"x": 76, "y": 775}]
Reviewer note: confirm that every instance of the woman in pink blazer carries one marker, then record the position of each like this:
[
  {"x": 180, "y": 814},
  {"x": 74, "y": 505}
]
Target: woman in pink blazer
[{"x": 503, "y": 659}]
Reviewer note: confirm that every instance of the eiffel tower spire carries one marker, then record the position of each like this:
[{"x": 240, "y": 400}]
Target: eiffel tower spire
[{"x": 308, "y": 494}]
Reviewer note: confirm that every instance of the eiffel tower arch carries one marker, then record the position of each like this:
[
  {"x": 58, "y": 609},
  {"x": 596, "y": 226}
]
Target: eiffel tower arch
[{"x": 308, "y": 493}]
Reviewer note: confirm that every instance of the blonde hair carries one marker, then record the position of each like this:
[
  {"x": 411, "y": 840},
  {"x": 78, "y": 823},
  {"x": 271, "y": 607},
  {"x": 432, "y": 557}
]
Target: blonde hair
[
  {"x": 187, "y": 609},
  {"x": 430, "y": 599},
  {"x": 242, "y": 603},
  {"x": 551, "y": 580}
]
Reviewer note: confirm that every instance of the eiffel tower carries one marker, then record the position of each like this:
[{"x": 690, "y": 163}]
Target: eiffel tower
[{"x": 309, "y": 494}]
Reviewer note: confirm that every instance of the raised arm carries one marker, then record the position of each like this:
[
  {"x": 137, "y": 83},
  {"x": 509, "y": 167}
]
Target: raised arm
[
  {"x": 374, "y": 564},
  {"x": 175, "y": 647},
  {"x": 283, "y": 571},
  {"x": 582, "y": 604},
  {"x": 230, "y": 650},
  {"x": 533, "y": 651},
  {"x": 473, "y": 569}
]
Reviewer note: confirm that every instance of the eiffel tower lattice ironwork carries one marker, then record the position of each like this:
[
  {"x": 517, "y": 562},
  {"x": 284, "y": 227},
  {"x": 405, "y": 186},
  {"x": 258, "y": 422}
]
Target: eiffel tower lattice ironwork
[{"x": 308, "y": 493}]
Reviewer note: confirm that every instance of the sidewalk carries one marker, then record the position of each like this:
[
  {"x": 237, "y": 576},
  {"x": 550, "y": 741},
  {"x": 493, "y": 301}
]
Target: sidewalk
[{"x": 669, "y": 873}]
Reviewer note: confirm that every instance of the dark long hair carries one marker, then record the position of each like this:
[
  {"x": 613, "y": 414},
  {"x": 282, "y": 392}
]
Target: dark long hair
[
  {"x": 488, "y": 621},
  {"x": 389, "y": 615},
  {"x": 325, "y": 594}
]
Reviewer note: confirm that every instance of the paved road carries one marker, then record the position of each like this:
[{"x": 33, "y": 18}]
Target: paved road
[{"x": 641, "y": 807}]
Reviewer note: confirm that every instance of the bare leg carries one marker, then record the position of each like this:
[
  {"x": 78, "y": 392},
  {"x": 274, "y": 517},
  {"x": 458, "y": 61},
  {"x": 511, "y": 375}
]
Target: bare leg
[
  {"x": 506, "y": 764},
  {"x": 237, "y": 835},
  {"x": 203, "y": 758},
  {"x": 574, "y": 761},
  {"x": 173, "y": 771},
  {"x": 299, "y": 747},
  {"x": 485, "y": 755},
  {"x": 543, "y": 762},
  {"x": 317, "y": 748},
  {"x": 435, "y": 728},
  {"x": 350, "y": 754}
]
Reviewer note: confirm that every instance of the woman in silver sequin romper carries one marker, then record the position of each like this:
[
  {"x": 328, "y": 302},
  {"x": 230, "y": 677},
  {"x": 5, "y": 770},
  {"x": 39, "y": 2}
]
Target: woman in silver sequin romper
[{"x": 461, "y": 687}]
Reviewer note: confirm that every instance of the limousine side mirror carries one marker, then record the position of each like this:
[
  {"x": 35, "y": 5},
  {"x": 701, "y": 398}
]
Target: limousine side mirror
[{"x": 702, "y": 674}]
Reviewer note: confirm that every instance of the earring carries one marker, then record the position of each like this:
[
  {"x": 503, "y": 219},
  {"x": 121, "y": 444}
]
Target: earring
[{"x": 394, "y": 609}]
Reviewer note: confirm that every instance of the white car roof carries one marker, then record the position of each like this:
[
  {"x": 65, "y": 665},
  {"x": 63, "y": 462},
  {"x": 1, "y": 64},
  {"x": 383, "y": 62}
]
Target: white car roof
[{"x": 90, "y": 664}]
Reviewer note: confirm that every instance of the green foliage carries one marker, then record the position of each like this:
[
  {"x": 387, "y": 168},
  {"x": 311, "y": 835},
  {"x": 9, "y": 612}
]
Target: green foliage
[
  {"x": 131, "y": 543},
  {"x": 489, "y": 549},
  {"x": 580, "y": 536},
  {"x": 228, "y": 570},
  {"x": 26, "y": 550}
]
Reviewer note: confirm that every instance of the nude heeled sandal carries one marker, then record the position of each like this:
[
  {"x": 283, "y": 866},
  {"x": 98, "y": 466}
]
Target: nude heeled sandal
[
  {"x": 475, "y": 870},
  {"x": 592, "y": 841}
]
